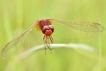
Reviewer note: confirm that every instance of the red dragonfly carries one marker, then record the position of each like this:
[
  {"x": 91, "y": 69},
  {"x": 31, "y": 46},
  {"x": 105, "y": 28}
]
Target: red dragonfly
[{"x": 28, "y": 38}]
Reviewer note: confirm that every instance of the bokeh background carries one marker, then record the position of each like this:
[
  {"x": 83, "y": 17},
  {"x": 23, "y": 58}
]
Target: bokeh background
[{"x": 18, "y": 15}]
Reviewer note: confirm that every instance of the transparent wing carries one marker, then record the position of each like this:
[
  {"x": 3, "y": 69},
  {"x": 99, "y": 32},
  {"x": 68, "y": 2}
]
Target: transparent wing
[
  {"x": 23, "y": 42},
  {"x": 66, "y": 29},
  {"x": 83, "y": 26}
]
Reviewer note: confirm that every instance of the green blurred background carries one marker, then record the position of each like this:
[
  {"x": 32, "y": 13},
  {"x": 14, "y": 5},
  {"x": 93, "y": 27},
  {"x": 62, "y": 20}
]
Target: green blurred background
[{"x": 18, "y": 15}]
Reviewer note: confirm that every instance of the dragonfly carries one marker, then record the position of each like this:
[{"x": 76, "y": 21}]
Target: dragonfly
[{"x": 49, "y": 27}]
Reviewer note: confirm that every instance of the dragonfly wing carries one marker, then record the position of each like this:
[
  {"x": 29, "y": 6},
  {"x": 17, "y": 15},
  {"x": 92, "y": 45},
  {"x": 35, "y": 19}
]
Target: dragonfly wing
[
  {"x": 83, "y": 26},
  {"x": 23, "y": 42},
  {"x": 66, "y": 29}
]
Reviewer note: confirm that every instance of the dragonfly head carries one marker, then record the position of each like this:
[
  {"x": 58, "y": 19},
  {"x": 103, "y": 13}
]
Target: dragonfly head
[{"x": 47, "y": 30}]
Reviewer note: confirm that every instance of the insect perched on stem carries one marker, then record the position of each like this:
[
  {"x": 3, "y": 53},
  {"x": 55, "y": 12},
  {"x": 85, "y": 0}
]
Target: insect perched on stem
[
  {"x": 47, "y": 29},
  {"x": 29, "y": 37}
]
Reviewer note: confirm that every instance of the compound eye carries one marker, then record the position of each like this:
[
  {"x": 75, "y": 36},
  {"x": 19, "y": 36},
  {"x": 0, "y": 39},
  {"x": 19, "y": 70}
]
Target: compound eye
[
  {"x": 44, "y": 28},
  {"x": 50, "y": 26}
]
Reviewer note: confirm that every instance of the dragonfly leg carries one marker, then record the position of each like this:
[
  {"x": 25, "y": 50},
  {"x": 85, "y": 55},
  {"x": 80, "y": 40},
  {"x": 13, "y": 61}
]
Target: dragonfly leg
[
  {"x": 48, "y": 43},
  {"x": 44, "y": 39},
  {"x": 51, "y": 39}
]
